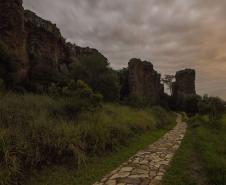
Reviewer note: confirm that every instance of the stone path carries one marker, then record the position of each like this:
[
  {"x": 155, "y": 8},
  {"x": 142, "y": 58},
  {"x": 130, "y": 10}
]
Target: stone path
[{"x": 147, "y": 167}]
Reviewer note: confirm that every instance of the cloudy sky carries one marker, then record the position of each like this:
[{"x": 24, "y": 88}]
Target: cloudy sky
[{"x": 172, "y": 34}]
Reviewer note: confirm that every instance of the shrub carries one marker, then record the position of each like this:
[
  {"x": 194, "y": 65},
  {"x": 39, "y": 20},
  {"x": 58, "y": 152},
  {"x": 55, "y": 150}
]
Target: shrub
[
  {"x": 31, "y": 137},
  {"x": 95, "y": 71},
  {"x": 198, "y": 120},
  {"x": 188, "y": 104},
  {"x": 214, "y": 107},
  {"x": 77, "y": 97},
  {"x": 139, "y": 102}
]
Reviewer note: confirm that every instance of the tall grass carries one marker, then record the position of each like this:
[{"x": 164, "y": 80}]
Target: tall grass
[
  {"x": 33, "y": 134},
  {"x": 202, "y": 156},
  {"x": 210, "y": 142}
]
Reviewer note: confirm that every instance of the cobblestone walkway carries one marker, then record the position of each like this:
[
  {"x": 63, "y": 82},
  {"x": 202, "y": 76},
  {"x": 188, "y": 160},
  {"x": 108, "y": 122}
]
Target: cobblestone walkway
[{"x": 147, "y": 167}]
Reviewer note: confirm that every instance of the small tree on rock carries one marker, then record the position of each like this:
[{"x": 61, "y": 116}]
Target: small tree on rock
[{"x": 168, "y": 81}]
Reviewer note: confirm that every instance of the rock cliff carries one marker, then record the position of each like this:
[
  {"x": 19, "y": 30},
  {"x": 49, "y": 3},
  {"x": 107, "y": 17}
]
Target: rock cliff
[
  {"x": 12, "y": 27},
  {"x": 144, "y": 81},
  {"x": 37, "y": 43},
  {"x": 185, "y": 83}
]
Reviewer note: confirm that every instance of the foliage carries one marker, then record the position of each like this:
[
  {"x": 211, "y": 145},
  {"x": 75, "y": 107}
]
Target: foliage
[
  {"x": 140, "y": 102},
  {"x": 194, "y": 104},
  {"x": 95, "y": 71},
  {"x": 168, "y": 81},
  {"x": 78, "y": 97},
  {"x": 202, "y": 156},
  {"x": 32, "y": 137},
  {"x": 97, "y": 166},
  {"x": 212, "y": 106},
  {"x": 188, "y": 104}
]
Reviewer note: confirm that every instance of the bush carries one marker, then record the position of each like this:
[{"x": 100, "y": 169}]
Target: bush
[
  {"x": 198, "y": 120},
  {"x": 139, "y": 102},
  {"x": 188, "y": 104},
  {"x": 31, "y": 137},
  {"x": 214, "y": 107},
  {"x": 78, "y": 97}
]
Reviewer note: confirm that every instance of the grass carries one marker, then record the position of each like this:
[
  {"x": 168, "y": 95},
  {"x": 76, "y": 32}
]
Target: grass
[
  {"x": 97, "y": 166},
  {"x": 201, "y": 159},
  {"x": 39, "y": 132}
]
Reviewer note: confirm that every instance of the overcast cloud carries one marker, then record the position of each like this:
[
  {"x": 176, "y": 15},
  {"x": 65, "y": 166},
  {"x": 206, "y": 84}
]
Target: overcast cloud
[{"x": 172, "y": 34}]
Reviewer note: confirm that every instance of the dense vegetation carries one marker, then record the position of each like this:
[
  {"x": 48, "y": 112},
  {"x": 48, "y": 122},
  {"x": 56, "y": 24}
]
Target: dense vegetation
[
  {"x": 38, "y": 130},
  {"x": 201, "y": 159},
  {"x": 68, "y": 123}
]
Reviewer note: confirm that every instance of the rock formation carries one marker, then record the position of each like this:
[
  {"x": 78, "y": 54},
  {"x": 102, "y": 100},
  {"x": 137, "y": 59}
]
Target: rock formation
[
  {"x": 12, "y": 27},
  {"x": 185, "y": 83},
  {"x": 144, "y": 81},
  {"x": 37, "y": 43}
]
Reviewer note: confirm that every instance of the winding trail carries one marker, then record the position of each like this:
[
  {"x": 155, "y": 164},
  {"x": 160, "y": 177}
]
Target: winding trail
[{"x": 148, "y": 167}]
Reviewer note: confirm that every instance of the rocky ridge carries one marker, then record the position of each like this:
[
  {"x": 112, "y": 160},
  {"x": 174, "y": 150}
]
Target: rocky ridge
[
  {"x": 36, "y": 41},
  {"x": 39, "y": 46}
]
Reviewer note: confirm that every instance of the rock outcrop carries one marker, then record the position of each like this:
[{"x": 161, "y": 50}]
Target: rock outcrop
[
  {"x": 185, "y": 83},
  {"x": 144, "y": 81},
  {"x": 37, "y": 43},
  {"x": 12, "y": 27},
  {"x": 44, "y": 43}
]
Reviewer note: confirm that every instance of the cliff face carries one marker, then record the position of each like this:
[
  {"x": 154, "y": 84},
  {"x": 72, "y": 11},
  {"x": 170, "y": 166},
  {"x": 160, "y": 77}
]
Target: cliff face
[
  {"x": 37, "y": 43},
  {"x": 144, "y": 81},
  {"x": 185, "y": 83},
  {"x": 44, "y": 43},
  {"x": 12, "y": 27}
]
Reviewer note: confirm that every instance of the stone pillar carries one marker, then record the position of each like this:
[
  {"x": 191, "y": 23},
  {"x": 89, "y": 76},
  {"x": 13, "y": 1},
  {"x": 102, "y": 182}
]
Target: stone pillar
[
  {"x": 144, "y": 81},
  {"x": 185, "y": 83}
]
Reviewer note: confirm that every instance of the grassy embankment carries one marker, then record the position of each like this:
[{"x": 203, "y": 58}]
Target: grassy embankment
[
  {"x": 39, "y": 138},
  {"x": 201, "y": 160}
]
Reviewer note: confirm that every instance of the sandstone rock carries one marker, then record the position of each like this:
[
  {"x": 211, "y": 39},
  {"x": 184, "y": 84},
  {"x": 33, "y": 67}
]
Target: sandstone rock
[
  {"x": 44, "y": 43},
  {"x": 185, "y": 83},
  {"x": 35, "y": 41},
  {"x": 144, "y": 81},
  {"x": 12, "y": 27}
]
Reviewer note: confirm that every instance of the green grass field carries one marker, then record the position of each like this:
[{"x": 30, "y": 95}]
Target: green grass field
[{"x": 201, "y": 160}]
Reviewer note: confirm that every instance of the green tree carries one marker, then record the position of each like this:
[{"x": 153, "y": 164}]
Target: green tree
[
  {"x": 168, "y": 81},
  {"x": 95, "y": 71},
  {"x": 212, "y": 106}
]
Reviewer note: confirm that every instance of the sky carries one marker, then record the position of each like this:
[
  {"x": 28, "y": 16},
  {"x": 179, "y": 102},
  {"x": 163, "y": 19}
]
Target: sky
[{"x": 172, "y": 34}]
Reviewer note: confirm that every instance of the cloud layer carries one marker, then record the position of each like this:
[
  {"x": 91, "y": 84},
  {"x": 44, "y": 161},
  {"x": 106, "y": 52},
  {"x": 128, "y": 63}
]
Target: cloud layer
[{"x": 173, "y": 34}]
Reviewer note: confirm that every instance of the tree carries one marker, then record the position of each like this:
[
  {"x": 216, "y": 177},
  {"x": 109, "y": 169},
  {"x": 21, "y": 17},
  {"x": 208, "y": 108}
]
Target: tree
[
  {"x": 95, "y": 71},
  {"x": 212, "y": 106},
  {"x": 168, "y": 81}
]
